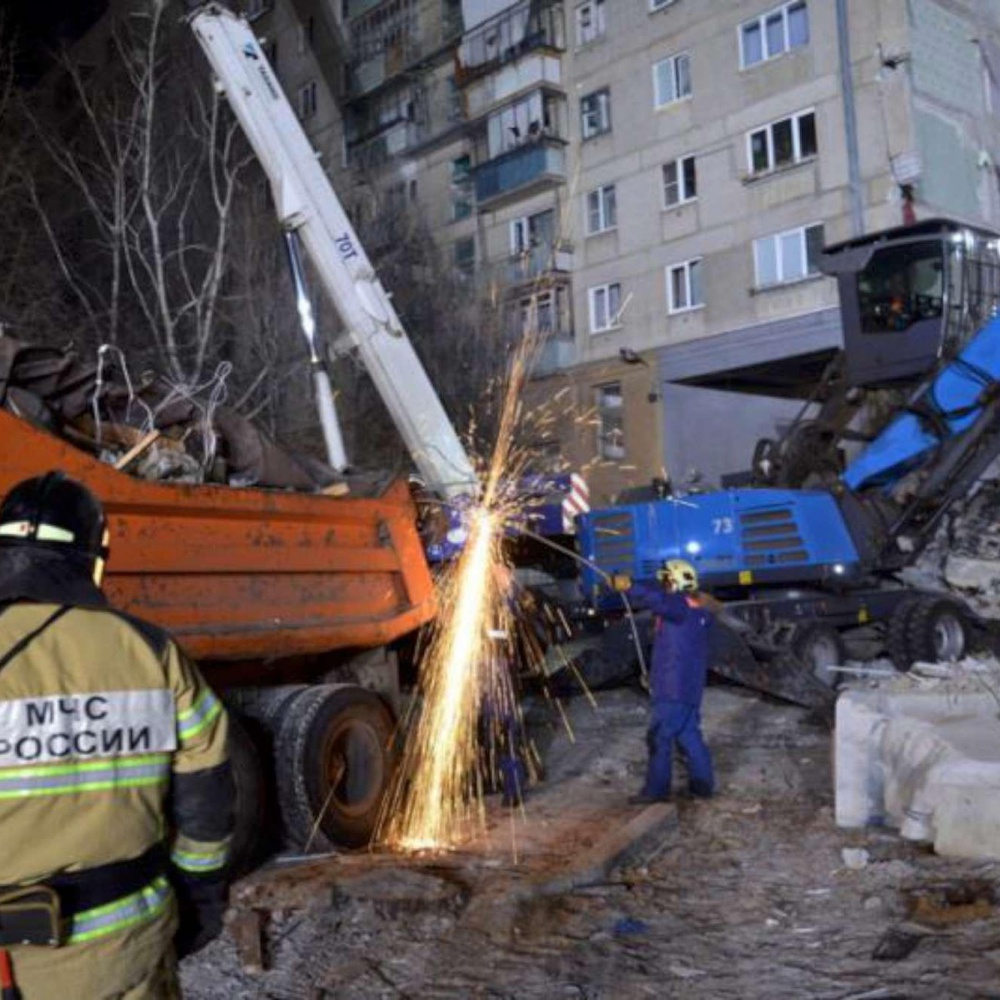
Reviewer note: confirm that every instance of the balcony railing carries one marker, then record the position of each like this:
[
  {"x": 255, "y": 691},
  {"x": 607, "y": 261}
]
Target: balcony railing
[
  {"x": 378, "y": 149},
  {"x": 538, "y": 262},
  {"x": 558, "y": 352},
  {"x": 509, "y": 36},
  {"x": 536, "y": 163}
]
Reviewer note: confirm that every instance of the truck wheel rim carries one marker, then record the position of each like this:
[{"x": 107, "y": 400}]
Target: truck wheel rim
[
  {"x": 949, "y": 638},
  {"x": 354, "y": 768}
]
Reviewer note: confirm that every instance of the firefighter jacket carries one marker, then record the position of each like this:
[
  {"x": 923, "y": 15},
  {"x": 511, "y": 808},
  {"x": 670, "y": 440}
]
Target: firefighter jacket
[{"x": 111, "y": 743}]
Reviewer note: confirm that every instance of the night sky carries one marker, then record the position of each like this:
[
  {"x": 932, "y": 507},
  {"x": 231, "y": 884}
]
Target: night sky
[{"x": 42, "y": 25}]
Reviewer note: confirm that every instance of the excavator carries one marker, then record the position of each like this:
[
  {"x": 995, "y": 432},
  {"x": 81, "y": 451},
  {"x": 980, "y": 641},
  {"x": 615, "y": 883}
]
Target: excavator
[{"x": 890, "y": 449}]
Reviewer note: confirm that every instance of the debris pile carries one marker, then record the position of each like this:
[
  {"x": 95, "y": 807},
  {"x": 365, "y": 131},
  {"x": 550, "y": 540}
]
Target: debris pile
[{"x": 153, "y": 429}]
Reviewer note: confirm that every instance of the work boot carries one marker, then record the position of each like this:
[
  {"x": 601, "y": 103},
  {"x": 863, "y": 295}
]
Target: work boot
[
  {"x": 642, "y": 799},
  {"x": 701, "y": 790}
]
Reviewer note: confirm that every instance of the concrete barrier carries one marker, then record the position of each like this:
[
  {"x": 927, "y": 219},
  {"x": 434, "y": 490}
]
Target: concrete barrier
[{"x": 924, "y": 756}]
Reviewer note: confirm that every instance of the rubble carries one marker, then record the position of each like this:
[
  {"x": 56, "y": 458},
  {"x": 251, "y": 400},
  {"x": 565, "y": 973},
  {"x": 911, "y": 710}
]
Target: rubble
[
  {"x": 921, "y": 752},
  {"x": 152, "y": 429}
]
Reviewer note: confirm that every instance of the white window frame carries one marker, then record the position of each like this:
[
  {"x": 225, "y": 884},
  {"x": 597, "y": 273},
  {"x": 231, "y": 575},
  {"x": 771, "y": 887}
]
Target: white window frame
[
  {"x": 520, "y": 236},
  {"x": 655, "y": 5},
  {"x": 605, "y": 196},
  {"x": 596, "y": 26},
  {"x": 761, "y": 22},
  {"x": 609, "y": 400},
  {"x": 611, "y": 321},
  {"x": 685, "y": 268},
  {"x": 675, "y": 62},
  {"x": 683, "y": 195},
  {"x": 775, "y": 239},
  {"x": 797, "y": 157},
  {"x": 307, "y": 100},
  {"x": 602, "y": 97}
]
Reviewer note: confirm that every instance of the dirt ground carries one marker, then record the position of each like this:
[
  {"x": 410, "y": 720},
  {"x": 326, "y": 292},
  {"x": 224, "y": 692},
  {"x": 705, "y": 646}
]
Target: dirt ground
[{"x": 750, "y": 895}]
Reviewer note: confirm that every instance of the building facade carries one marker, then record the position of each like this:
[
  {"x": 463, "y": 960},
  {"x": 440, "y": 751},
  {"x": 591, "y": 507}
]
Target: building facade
[{"x": 649, "y": 182}]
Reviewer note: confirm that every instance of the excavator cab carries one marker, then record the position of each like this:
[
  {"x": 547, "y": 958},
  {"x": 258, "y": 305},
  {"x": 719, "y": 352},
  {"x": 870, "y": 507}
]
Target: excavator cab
[{"x": 911, "y": 297}]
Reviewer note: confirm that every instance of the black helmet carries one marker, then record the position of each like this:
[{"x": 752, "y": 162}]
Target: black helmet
[{"x": 54, "y": 512}]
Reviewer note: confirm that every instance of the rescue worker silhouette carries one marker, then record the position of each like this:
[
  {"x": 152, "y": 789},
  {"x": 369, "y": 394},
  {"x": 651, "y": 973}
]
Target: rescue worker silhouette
[
  {"x": 677, "y": 678},
  {"x": 115, "y": 788}
]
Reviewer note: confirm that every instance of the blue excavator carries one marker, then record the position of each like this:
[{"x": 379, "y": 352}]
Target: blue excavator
[{"x": 900, "y": 429}]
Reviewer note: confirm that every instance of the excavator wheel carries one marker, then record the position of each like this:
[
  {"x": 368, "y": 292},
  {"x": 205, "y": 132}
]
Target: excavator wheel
[
  {"x": 938, "y": 630},
  {"x": 897, "y": 636},
  {"x": 928, "y": 628},
  {"x": 334, "y": 760},
  {"x": 819, "y": 647}
]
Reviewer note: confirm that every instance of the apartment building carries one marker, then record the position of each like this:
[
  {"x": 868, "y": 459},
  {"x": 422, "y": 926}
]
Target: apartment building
[{"x": 650, "y": 182}]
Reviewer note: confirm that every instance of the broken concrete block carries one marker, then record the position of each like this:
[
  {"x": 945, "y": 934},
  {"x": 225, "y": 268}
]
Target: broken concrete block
[{"x": 924, "y": 758}]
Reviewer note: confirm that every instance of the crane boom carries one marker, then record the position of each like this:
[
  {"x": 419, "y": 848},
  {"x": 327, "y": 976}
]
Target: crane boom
[{"x": 307, "y": 205}]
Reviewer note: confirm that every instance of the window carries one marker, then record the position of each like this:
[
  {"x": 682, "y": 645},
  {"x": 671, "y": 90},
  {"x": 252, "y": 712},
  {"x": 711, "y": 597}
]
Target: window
[
  {"x": 602, "y": 212},
  {"x": 590, "y": 23},
  {"x": 672, "y": 79},
  {"x": 773, "y": 33},
  {"x": 605, "y": 307},
  {"x": 684, "y": 286},
  {"x": 595, "y": 113},
  {"x": 789, "y": 140},
  {"x": 532, "y": 231},
  {"x": 526, "y": 120},
  {"x": 306, "y": 99},
  {"x": 680, "y": 181},
  {"x": 659, "y": 4},
  {"x": 610, "y": 420},
  {"x": 461, "y": 187},
  {"x": 787, "y": 256},
  {"x": 465, "y": 257}
]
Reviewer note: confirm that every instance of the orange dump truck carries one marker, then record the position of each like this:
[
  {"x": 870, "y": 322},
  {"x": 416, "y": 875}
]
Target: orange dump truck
[{"x": 290, "y": 602}]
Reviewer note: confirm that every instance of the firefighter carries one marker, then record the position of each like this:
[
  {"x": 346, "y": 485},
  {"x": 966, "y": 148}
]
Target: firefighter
[
  {"x": 677, "y": 678},
  {"x": 115, "y": 789}
]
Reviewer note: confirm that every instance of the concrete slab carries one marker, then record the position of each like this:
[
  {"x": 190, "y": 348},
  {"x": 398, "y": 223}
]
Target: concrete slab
[{"x": 923, "y": 755}]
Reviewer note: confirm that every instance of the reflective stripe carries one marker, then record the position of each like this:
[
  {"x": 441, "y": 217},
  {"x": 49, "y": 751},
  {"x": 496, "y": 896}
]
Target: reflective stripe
[
  {"x": 199, "y": 861},
  {"x": 85, "y": 776},
  {"x": 139, "y": 907},
  {"x": 43, "y": 533},
  {"x": 201, "y": 714}
]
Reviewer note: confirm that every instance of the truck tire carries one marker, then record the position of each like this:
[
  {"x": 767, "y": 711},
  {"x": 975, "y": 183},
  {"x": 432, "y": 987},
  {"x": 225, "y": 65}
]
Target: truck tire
[
  {"x": 253, "y": 829},
  {"x": 818, "y": 646},
  {"x": 334, "y": 761},
  {"x": 897, "y": 636},
  {"x": 937, "y": 630}
]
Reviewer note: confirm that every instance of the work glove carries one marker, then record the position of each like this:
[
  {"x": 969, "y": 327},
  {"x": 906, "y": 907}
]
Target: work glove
[
  {"x": 201, "y": 905},
  {"x": 620, "y": 582}
]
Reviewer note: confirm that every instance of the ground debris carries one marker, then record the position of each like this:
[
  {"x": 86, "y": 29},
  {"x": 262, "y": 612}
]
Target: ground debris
[{"x": 750, "y": 902}]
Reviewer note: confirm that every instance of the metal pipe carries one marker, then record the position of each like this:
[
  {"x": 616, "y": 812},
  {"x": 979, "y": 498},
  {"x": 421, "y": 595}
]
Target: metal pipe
[
  {"x": 850, "y": 120},
  {"x": 332, "y": 436}
]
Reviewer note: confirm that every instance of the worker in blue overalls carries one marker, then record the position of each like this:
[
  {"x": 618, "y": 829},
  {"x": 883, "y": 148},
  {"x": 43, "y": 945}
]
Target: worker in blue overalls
[{"x": 677, "y": 678}]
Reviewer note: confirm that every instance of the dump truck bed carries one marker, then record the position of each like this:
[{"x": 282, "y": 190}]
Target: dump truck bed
[{"x": 243, "y": 573}]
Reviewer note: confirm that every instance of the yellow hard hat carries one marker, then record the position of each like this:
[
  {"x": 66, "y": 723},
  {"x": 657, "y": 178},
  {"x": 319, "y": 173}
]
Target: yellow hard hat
[{"x": 680, "y": 573}]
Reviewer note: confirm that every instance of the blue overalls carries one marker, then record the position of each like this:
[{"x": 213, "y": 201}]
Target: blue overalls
[{"x": 677, "y": 683}]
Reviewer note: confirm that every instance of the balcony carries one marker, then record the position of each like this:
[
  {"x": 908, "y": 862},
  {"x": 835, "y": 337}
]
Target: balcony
[
  {"x": 509, "y": 36},
  {"x": 535, "y": 164},
  {"x": 375, "y": 150},
  {"x": 558, "y": 352},
  {"x": 538, "y": 262}
]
